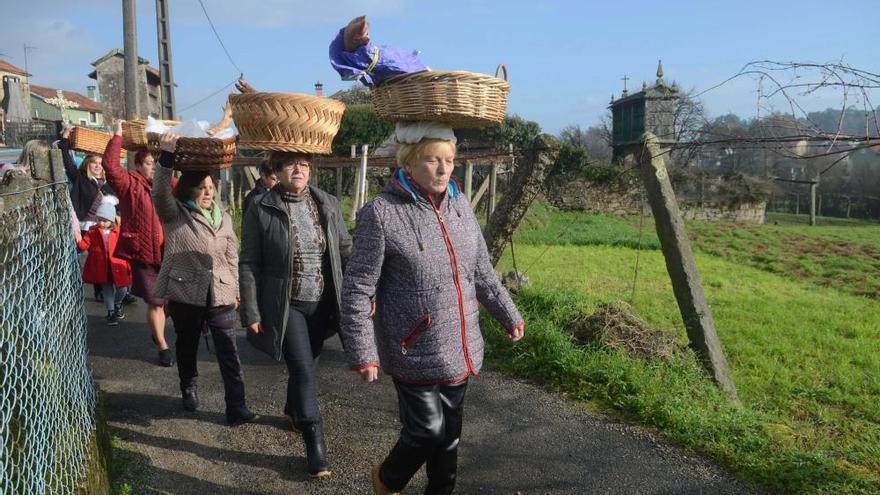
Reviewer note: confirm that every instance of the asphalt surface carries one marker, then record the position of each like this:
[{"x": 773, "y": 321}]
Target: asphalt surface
[{"x": 517, "y": 437}]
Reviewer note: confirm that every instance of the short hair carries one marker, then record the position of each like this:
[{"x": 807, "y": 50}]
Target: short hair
[
  {"x": 141, "y": 156},
  {"x": 407, "y": 153},
  {"x": 187, "y": 182},
  {"x": 266, "y": 169},
  {"x": 278, "y": 159}
]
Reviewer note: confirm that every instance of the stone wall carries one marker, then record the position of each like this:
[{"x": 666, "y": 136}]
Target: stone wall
[{"x": 624, "y": 198}]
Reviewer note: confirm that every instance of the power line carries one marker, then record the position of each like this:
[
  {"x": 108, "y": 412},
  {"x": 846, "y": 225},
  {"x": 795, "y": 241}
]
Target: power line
[
  {"x": 222, "y": 45},
  {"x": 208, "y": 97}
]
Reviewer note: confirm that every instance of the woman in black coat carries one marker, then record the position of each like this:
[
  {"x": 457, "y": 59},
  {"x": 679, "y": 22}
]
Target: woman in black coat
[
  {"x": 88, "y": 184},
  {"x": 294, "y": 246}
]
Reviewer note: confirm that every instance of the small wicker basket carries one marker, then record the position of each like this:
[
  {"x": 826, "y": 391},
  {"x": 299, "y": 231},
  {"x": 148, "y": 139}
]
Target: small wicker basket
[
  {"x": 202, "y": 153},
  {"x": 458, "y": 98},
  {"x": 90, "y": 140},
  {"x": 286, "y": 121},
  {"x": 134, "y": 135}
]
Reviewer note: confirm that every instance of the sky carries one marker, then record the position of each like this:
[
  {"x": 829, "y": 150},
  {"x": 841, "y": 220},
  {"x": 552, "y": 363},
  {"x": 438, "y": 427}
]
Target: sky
[{"x": 565, "y": 58}]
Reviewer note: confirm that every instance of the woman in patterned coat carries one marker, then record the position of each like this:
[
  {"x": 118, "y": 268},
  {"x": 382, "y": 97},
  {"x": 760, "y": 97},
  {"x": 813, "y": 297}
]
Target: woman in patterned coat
[
  {"x": 199, "y": 277},
  {"x": 418, "y": 273}
]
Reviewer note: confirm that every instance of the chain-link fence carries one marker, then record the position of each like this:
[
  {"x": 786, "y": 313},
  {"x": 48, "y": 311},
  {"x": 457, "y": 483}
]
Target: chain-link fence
[{"x": 47, "y": 397}]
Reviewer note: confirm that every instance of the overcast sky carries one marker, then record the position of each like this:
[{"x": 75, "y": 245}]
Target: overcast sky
[{"x": 565, "y": 58}]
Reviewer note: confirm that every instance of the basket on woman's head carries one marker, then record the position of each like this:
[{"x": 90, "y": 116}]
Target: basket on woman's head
[
  {"x": 460, "y": 99},
  {"x": 286, "y": 121}
]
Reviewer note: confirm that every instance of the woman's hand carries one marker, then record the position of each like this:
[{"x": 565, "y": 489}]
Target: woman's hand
[
  {"x": 77, "y": 236},
  {"x": 370, "y": 373},
  {"x": 244, "y": 87},
  {"x": 65, "y": 132},
  {"x": 168, "y": 142},
  {"x": 255, "y": 328},
  {"x": 517, "y": 333},
  {"x": 119, "y": 127}
]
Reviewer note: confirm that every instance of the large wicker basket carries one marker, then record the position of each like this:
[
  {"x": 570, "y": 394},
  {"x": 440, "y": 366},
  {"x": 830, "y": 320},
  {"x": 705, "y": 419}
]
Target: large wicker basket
[
  {"x": 286, "y": 121},
  {"x": 90, "y": 140},
  {"x": 458, "y": 98}
]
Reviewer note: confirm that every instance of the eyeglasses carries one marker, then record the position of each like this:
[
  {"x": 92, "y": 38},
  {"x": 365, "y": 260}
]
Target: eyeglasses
[{"x": 291, "y": 166}]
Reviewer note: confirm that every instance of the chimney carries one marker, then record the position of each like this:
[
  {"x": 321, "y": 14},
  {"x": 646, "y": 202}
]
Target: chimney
[
  {"x": 319, "y": 89},
  {"x": 91, "y": 92}
]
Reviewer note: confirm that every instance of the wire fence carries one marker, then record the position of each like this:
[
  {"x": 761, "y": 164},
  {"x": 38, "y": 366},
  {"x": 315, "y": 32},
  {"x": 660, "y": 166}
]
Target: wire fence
[{"x": 47, "y": 396}]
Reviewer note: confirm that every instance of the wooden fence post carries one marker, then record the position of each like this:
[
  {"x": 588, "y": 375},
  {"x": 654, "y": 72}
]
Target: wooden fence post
[
  {"x": 468, "y": 179},
  {"x": 493, "y": 187}
]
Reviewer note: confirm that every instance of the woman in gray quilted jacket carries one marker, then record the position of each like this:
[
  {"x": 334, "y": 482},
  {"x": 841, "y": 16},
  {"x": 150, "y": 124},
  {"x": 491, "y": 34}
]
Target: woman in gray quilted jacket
[
  {"x": 199, "y": 278},
  {"x": 419, "y": 263}
]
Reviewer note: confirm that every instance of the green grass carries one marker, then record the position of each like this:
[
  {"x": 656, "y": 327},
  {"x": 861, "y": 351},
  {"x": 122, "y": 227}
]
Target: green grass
[
  {"x": 845, "y": 256},
  {"x": 804, "y": 355}
]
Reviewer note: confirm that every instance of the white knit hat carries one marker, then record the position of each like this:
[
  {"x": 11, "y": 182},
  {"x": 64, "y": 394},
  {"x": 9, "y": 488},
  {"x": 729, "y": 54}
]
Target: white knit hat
[{"x": 107, "y": 208}]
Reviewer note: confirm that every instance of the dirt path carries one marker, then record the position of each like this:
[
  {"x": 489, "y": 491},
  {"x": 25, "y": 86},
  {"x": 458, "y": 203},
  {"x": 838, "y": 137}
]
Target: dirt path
[{"x": 517, "y": 437}]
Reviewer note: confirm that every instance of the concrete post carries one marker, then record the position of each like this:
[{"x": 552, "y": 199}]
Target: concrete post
[
  {"x": 522, "y": 189},
  {"x": 129, "y": 33},
  {"x": 680, "y": 264}
]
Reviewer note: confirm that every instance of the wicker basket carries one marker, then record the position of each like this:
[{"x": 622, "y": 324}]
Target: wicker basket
[
  {"x": 134, "y": 135},
  {"x": 286, "y": 121},
  {"x": 90, "y": 140},
  {"x": 201, "y": 153},
  {"x": 458, "y": 98}
]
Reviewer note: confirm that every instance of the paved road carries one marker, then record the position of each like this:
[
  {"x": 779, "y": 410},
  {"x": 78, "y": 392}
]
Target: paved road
[{"x": 517, "y": 437}]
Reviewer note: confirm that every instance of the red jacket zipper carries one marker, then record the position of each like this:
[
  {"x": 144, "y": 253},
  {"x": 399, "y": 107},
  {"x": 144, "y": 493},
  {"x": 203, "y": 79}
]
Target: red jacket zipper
[
  {"x": 413, "y": 334},
  {"x": 455, "y": 278}
]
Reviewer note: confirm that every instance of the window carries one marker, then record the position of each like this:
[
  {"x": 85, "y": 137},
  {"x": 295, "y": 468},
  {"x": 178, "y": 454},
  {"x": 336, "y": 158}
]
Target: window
[
  {"x": 83, "y": 122},
  {"x": 93, "y": 117}
]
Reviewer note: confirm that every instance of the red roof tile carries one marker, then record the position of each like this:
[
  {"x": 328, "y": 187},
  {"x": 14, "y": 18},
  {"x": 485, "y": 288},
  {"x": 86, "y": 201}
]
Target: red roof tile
[
  {"x": 7, "y": 67},
  {"x": 83, "y": 102}
]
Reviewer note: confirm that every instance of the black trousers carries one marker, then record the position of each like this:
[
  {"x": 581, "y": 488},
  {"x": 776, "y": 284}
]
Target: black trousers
[
  {"x": 301, "y": 348},
  {"x": 222, "y": 322},
  {"x": 431, "y": 416}
]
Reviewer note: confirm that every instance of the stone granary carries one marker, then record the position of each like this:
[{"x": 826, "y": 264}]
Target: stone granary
[
  {"x": 650, "y": 110},
  {"x": 109, "y": 72}
]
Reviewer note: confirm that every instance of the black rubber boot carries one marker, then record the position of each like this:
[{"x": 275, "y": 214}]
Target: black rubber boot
[
  {"x": 239, "y": 415},
  {"x": 190, "y": 398},
  {"x": 316, "y": 450}
]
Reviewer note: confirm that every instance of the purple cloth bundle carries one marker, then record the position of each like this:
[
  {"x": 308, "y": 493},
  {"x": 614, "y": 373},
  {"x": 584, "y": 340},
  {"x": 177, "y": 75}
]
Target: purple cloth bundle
[{"x": 371, "y": 63}]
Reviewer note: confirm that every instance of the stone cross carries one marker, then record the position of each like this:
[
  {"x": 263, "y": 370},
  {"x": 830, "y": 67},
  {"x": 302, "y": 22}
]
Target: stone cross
[{"x": 62, "y": 103}]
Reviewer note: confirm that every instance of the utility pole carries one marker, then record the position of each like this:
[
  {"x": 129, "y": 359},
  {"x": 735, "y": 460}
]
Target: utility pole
[
  {"x": 166, "y": 76},
  {"x": 129, "y": 35}
]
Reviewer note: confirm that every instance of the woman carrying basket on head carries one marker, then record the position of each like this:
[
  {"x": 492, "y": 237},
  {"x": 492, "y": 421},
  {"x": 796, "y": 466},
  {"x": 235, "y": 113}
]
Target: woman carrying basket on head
[
  {"x": 294, "y": 249},
  {"x": 419, "y": 259},
  {"x": 199, "y": 278}
]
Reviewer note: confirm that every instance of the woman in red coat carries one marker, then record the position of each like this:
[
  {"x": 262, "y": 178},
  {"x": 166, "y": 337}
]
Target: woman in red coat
[
  {"x": 102, "y": 267},
  {"x": 141, "y": 238}
]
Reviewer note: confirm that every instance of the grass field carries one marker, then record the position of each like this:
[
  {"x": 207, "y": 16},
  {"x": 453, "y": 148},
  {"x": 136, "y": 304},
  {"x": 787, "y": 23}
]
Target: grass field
[{"x": 797, "y": 312}]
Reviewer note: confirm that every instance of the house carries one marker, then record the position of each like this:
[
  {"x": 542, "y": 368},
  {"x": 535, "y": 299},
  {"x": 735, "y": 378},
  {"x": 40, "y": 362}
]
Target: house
[
  {"x": 13, "y": 81},
  {"x": 47, "y": 103},
  {"x": 110, "y": 74}
]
